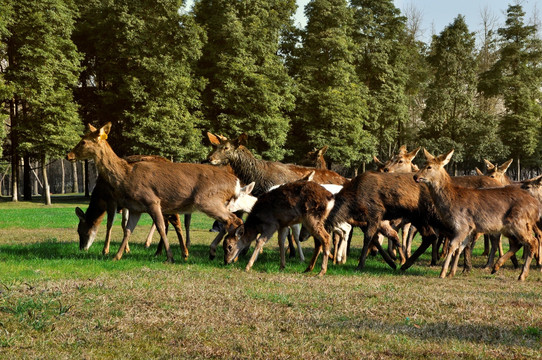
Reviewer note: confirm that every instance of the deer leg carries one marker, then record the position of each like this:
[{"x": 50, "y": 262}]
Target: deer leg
[
  {"x": 486, "y": 245},
  {"x": 514, "y": 247},
  {"x": 367, "y": 241},
  {"x": 128, "y": 229},
  {"x": 216, "y": 241},
  {"x": 468, "y": 252},
  {"x": 296, "y": 231},
  {"x": 175, "y": 220},
  {"x": 454, "y": 245},
  {"x": 259, "y": 246},
  {"x": 427, "y": 241},
  {"x": 349, "y": 242},
  {"x": 317, "y": 249},
  {"x": 158, "y": 218},
  {"x": 149, "y": 236},
  {"x": 124, "y": 222},
  {"x": 392, "y": 235},
  {"x": 343, "y": 246},
  {"x": 187, "y": 220},
  {"x": 291, "y": 246},
  {"x": 111, "y": 212},
  {"x": 283, "y": 234},
  {"x": 412, "y": 232},
  {"x": 529, "y": 249},
  {"x": 464, "y": 247}
]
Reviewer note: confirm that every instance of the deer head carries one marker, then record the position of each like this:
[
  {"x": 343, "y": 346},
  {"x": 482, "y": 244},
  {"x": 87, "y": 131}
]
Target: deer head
[
  {"x": 234, "y": 243},
  {"x": 433, "y": 171},
  {"x": 91, "y": 143},
  {"x": 402, "y": 162},
  {"x": 497, "y": 172},
  {"x": 87, "y": 232},
  {"x": 224, "y": 149}
]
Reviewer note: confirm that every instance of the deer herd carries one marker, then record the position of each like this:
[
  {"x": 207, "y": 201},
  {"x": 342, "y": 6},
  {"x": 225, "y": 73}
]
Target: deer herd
[{"x": 449, "y": 212}]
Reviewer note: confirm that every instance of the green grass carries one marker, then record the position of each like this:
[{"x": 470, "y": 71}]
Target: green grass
[{"x": 57, "y": 302}]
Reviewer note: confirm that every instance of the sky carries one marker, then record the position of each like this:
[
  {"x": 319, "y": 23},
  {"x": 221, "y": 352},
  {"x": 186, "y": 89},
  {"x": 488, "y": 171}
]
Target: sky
[{"x": 437, "y": 14}]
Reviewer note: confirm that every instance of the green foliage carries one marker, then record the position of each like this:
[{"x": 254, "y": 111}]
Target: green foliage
[
  {"x": 139, "y": 58},
  {"x": 516, "y": 76},
  {"x": 381, "y": 57},
  {"x": 332, "y": 101},
  {"x": 248, "y": 88},
  {"x": 43, "y": 68}
]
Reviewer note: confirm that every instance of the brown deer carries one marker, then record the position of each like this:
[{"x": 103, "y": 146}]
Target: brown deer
[
  {"x": 159, "y": 188},
  {"x": 315, "y": 158},
  {"x": 296, "y": 202},
  {"x": 102, "y": 202},
  {"x": 508, "y": 210}
]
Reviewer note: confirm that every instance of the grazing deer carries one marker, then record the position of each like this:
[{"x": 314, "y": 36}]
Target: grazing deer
[
  {"x": 158, "y": 187},
  {"x": 296, "y": 202},
  {"x": 508, "y": 210},
  {"x": 315, "y": 158}
]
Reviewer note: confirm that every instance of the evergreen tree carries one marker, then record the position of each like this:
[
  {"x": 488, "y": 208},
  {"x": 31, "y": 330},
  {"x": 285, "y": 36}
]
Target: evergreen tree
[
  {"x": 381, "y": 64},
  {"x": 332, "y": 102},
  {"x": 248, "y": 88},
  {"x": 450, "y": 118},
  {"x": 139, "y": 61},
  {"x": 517, "y": 77},
  {"x": 5, "y": 16},
  {"x": 43, "y": 67}
]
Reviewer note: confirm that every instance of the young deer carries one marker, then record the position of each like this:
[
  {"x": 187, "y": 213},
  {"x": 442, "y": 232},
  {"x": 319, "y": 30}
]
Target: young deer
[
  {"x": 315, "y": 158},
  {"x": 296, "y": 202},
  {"x": 158, "y": 187},
  {"x": 508, "y": 210}
]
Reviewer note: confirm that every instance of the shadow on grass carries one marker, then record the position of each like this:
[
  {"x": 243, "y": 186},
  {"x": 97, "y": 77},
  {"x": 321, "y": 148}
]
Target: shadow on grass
[{"x": 472, "y": 332}]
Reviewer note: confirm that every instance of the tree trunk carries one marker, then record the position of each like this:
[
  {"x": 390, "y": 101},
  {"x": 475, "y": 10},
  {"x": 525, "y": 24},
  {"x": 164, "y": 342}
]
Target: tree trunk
[
  {"x": 75, "y": 184},
  {"x": 36, "y": 180},
  {"x": 87, "y": 191},
  {"x": 46, "y": 192},
  {"x": 63, "y": 188},
  {"x": 519, "y": 171},
  {"x": 27, "y": 179}
]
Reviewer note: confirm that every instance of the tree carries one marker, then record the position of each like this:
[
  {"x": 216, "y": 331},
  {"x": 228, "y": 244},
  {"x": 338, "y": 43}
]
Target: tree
[
  {"x": 5, "y": 16},
  {"x": 139, "y": 60},
  {"x": 332, "y": 102},
  {"x": 517, "y": 77},
  {"x": 381, "y": 65},
  {"x": 43, "y": 67},
  {"x": 450, "y": 118},
  {"x": 248, "y": 87}
]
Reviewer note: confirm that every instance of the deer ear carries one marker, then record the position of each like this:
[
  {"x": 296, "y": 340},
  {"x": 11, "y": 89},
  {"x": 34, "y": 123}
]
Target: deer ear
[
  {"x": 413, "y": 153},
  {"x": 240, "y": 231},
  {"x": 213, "y": 139},
  {"x": 248, "y": 189},
  {"x": 446, "y": 158},
  {"x": 309, "y": 177},
  {"x": 242, "y": 140},
  {"x": 104, "y": 130},
  {"x": 323, "y": 150},
  {"x": 489, "y": 165},
  {"x": 91, "y": 128},
  {"x": 402, "y": 149},
  {"x": 478, "y": 172},
  {"x": 80, "y": 214},
  {"x": 505, "y": 166},
  {"x": 427, "y": 154}
]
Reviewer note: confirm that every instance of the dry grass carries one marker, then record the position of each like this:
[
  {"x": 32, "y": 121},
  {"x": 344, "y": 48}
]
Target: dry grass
[{"x": 57, "y": 303}]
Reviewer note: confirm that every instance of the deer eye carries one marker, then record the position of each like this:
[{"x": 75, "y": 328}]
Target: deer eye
[
  {"x": 400, "y": 161},
  {"x": 429, "y": 168}
]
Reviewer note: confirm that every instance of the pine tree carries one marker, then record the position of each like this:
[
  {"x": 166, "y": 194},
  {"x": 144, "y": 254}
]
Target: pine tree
[
  {"x": 450, "y": 117},
  {"x": 381, "y": 64},
  {"x": 139, "y": 60},
  {"x": 248, "y": 87},
  {"x": 517, "y": 77},
  {"x": 332, "y": 102},
  {"x": 43, "y": 67}
]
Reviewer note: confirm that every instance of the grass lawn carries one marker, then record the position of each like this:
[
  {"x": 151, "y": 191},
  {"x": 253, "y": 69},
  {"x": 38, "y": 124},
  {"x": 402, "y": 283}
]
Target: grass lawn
[{"x": 59, "y": 303}]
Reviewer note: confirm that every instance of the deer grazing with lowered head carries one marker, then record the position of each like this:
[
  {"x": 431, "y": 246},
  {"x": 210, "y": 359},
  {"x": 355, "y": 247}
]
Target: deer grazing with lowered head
[
  {"x": 508, "y": 210},
  {"x": 295, "y": 202},
  {"x": 159, "y": 188}
]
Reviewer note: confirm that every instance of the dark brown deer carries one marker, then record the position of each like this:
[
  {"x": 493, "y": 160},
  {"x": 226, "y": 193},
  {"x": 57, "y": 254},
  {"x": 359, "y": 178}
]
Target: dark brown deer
[
  {"x": 159, "y": 188},
  {"x": 509, "y": 210},
  {"x": 296, "y": 202},
  {"x": 315, "y": 158}
]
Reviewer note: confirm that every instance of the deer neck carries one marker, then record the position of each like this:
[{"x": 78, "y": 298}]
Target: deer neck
[
  {"x": 247, "y": 168},
  {"x": 443, "y": 193},
  {"x": 112, "y": 168}
]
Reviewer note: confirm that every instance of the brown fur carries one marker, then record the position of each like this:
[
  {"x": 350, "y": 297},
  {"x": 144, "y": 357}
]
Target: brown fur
[
  {"x": 315, "y": 158},
  {"x": 296, "y": 202},
  {"x": 264, "y": 173},
  {"x": 508, "y": 210},
  {"x": 158, "y": 187}
]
